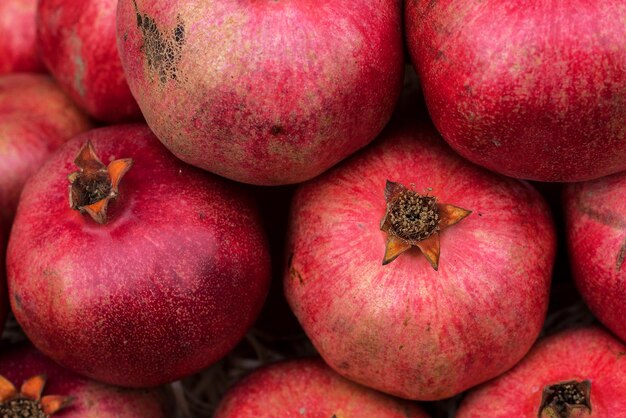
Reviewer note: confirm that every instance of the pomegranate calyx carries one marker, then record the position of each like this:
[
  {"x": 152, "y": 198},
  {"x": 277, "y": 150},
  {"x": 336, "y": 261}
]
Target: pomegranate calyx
[
  {"x": 94, "y": 185},
  {"x": 571, "y": 399},
  {"x": 415, "y": 220},
  {"x": 28, "y": 401}
]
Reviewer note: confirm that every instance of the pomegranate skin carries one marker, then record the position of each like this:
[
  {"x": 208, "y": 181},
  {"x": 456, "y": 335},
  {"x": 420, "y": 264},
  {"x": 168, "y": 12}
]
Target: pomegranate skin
[
  {"x": 36, "y": 117},
  {"x": 267, "y": 93},
  {"x": 404, "y": 328},
  {"x": 534, "y": 91},
  {"x": 91, "y": 399},
  {"x": 77, "y": 43},
  {"x": 596, "y": 223},
  {"x": 18, "y": 48},
  {"x": 308, "y": 388},
  {"x": 167, "y": 287},
  {"x": 578, "y": 354}
]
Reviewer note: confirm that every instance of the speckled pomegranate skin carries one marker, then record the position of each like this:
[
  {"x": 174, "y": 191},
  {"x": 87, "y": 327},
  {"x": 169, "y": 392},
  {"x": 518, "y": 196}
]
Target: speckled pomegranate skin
[
  {"x": 404, "y": 328},
  {"x": 167, "y": 287},
  {"x": 596, "y": 239},
  {"x": 531, "y": 90},
  {"x": 308, "y": 388},
  {"x": 91, "y": 399},
  {"x": 36, "y": 117},
  {"x": 18, "y": 48},
  {"x": 77, "y": 43},
  {"x": 587, "y": 353},
  {"x": 264, "y": 92}
]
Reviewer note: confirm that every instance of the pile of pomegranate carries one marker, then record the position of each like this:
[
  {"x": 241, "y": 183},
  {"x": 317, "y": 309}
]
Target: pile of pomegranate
[{"x": 312, "y": 209}]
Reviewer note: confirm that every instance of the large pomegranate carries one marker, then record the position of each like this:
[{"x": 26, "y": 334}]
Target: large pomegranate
[
  {"x": 534, "y": 90},
  {"x": 596, "y": 238},
  {"x": 310, "y": 389},
  {"x": 35, "y": 118},
  {"x": 163, "y": 281},
  {"x": 77, "y": 43},
  {"x": 574, "y": 374},
  {"x": 270, "y": 92},
  {"x": 88, "y": 399},
  {"x": 423, "y": 326},
  {"x": 18, "y": 51}
]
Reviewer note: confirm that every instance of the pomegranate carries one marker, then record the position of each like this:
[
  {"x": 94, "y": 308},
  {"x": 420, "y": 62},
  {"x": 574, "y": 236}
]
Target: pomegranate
[
  {"x": 531, "y": 90},
  {"x": 268, "y": 92},
  {"x": 37, "y": 117},
  {"x": 157, "y": 274},
  {"x": 77, "y": 43},
  {"x": 310, "y": 389},
  {"x": 52, "y": 390},
  {"x": 461, "y": 303},
  {"x": 17, "y": 28},
  {"x": 576, "y": 373},
  {"x": 596, "y": 239}
]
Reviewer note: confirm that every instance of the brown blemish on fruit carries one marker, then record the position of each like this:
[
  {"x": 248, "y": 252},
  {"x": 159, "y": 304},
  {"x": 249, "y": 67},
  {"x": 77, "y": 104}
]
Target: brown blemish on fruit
[
  {"x": 621, "y": 256},
  {"x": 293, "y": 274},
  {"x": 276, "y": 130},
  {"x": 562, "y": 400},
  {"x": 163, "y": 51}
]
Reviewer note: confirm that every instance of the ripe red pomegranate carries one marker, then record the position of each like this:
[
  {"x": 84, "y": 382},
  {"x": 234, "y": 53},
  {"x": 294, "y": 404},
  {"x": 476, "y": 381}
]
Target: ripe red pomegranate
[
  {"x": 36, "y": 117},
  {"x": 269, "y": 92},
  {"x": 77, "y": 43},
  {"x": 310, "y": 389},
  {"x": 596, "y": 239},
  {"x": 18, "y": 49},
  {"x": 420, "y": 327},
  {"x": 577, "y": 373},
  {"x": 89, "y": 399},
  {"x": 531, "y": 90},
  {"x": 162, "y": 282}
]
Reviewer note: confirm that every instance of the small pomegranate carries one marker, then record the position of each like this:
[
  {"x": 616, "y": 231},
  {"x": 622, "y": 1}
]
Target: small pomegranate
[
  {"x": 596, "y": 238},
  {"x": 18, "y": 50},
  {"x": 308, "y": 388},
  {"x": 533, "y": 90},
  {"x": 158, "y": 272},
  {"x": 399, "y": 287},
  {"x": 77, "y": 43},
  {"x": 49, "y": 389},
  {"x": 270, "y": 92},
  {"x": 36, "y": 117},
  {"x": 574, "y": 374}
]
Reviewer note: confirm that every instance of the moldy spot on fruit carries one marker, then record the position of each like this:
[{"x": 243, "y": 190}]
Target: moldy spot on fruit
[
  {"x": 559, "y": 400},
  {"x": 162, "y": 52},
  {"x": 414, "y": 220},
  {"x": 28, "y": 402}
]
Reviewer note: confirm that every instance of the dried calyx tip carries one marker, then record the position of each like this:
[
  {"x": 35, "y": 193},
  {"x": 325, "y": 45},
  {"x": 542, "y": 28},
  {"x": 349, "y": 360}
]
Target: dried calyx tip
[
  {"x": 28, "y": 402},
  {"x": 94, "y": 185},
  {"x": 561, "y": 400}
]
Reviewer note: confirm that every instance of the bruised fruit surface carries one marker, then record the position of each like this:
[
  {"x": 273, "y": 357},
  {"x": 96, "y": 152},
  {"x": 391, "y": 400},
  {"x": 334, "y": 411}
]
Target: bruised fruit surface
[
  {"x": 77, "y": 43},
  {"x": 36, "y": 117},
  {"x": 18, "y": 46},
  {"x": 270, "y": 92},
  {"x": 405, "y": 328},
  {"x": 533, "y": 90},
  {"x": 589, "y": 355},
  {"x": 310, "y": 389},
  {"x": 90, "y": 399},
  {"x": 167, "y": 286},
  {"x": 596, "y": 238}
]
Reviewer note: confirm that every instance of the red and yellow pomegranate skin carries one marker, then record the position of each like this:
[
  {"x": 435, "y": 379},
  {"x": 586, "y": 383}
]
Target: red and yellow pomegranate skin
[
  {"x": 531, "y": 90},
  {"x": 77, "y": 42},
  {"x": 308, "y": 388},
  {"x": 36, "y": 117},
  {"x": 269, "y": 93},
  {"x": 165, "y": 288},
  {"x": 18, "y": 48},
  {"x": 91, "y": 399},
  {"x": 404, "y": 328},
  {"x": 596, "y": 238},
  {"x": 577, "y": 354}
]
